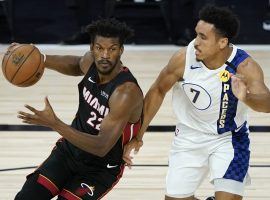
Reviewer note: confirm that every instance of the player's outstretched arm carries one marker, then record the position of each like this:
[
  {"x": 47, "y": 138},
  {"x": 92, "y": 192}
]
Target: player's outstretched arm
[
  {"x": 172, "y": 73},
  {"x": 124, "y": 102},
  {"x": 249, "y": 87},
  {"x": 65, "y": 64},
  {"x": 69, "y": 65}
]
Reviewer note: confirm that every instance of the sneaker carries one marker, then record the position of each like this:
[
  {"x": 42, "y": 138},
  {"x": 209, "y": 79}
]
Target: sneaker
[{"x": 210, "y": 198}]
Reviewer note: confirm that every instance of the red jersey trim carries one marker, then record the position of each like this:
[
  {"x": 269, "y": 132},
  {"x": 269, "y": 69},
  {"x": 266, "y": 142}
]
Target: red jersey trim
[
  {"x": 130, "y": 131},
  {"x": 69, "y": 195},
  {"x": 48, "y": 184}
]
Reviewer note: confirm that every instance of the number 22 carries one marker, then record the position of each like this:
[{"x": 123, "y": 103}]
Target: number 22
[{"x": 92, "y": 121}]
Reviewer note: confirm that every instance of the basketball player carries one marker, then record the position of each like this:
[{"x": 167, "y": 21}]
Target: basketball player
[
  {"x": 214, "y": 84},
  {"x": 87, "y": 162}
]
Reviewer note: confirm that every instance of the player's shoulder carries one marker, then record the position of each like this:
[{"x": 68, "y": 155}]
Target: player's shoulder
[
  {"x": 248, "y": 64},
  {"x": 86, "y": 61},
  {"x": 176, "y": 64},
  {"x": 129, "y": 87},
  {"x": 128, "y": 93},
  {"x": 249, "y": 68},
  {"x": 181, "y": 53}
]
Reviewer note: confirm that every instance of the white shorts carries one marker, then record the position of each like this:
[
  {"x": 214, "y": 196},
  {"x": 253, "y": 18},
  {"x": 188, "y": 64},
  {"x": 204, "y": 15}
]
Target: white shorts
[{"x": 194, "y": 154}]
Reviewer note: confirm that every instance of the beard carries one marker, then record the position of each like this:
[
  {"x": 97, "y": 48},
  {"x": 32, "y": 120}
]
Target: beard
[{"x": 108, "y": 70}]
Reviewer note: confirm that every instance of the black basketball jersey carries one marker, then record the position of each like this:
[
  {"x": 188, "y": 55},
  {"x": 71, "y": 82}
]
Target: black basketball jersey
[{"x": 93, "y": 107}]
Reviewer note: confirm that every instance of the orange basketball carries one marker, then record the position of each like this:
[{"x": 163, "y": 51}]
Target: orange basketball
[{"x": 23, "y": 65}]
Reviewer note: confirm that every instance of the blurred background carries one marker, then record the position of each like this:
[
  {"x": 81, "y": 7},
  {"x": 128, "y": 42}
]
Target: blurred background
[{"x": 154, "y": 21}]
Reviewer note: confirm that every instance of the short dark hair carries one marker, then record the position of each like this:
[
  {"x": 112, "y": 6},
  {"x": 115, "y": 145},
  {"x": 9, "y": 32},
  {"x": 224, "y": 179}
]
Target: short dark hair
[
  {"x": 226, "y": 23},
  {"x": 109, "y": 28}
]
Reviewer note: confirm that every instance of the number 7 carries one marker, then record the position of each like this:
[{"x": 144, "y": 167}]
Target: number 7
[{"x": 196, "y": 94}]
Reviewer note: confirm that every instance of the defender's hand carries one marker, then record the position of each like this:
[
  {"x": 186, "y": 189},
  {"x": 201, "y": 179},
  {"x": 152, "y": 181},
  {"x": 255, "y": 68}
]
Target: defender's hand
[
  {"x": 135, "y": 145},
  {"x": 239, "y": 87}
]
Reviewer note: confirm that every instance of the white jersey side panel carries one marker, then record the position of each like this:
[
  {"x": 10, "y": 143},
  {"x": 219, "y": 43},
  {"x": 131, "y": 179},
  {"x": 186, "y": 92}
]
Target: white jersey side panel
[{"x": 204, "y": 100}]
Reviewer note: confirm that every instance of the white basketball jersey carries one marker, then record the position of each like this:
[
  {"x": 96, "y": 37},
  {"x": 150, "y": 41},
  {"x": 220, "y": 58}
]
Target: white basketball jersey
[{"x": 204, "y": 100}]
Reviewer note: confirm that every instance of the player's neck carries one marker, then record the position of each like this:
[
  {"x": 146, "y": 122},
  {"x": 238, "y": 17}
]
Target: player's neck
[
  {"x": 108, "y": 77},
  {"x": 219, "y": 59}
]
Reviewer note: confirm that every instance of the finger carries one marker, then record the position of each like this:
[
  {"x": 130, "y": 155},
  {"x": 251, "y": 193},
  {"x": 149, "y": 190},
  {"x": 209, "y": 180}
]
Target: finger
[
  {"x": 27, "y": 122},
  {"x": 26, "y": 115},
  {"x": 127, "y": 149},
  {"x": 31, "y": 109},
  {"x": 26, "y": 118},
  {"x": 239, "y": 76},
  {"x": 128, "y": 162},
  {"x": 21, "y": 117},
  {"x": 47, "y": 103},
  {"x": 137, "y": 148},
  {"x": 128, "y": 159},
  {"x": 13, "y": 44},
  {"x": 129, "y": 166}
]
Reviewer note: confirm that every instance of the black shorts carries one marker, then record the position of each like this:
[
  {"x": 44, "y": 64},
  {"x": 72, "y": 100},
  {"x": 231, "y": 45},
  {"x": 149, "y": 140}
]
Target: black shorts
[{"x": 68, "y": 178}]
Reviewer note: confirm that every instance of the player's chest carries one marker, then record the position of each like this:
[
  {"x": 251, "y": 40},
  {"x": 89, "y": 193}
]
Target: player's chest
[{"x": 206, "y": 90}]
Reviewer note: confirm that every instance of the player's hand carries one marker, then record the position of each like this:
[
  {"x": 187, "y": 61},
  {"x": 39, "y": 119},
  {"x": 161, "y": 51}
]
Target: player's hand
[
  {"x": 12, "y": 46},
  {"x": 239, "y": 87},
  {"x": 135, "y": 145},
  {"x": 44, "y": 117}
]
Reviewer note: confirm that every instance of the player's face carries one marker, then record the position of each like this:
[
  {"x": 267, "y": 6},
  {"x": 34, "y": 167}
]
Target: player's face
[
  {"x": 107, "y": 53},
  {"x": 207, "y": 43}
]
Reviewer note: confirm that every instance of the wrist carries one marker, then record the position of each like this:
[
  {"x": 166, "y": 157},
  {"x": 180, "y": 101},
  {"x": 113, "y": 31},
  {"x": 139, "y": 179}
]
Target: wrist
[{"x": 57, "y": 124}]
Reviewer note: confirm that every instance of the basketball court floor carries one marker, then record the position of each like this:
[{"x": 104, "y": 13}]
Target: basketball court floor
[{"x": 22, "y": 147}]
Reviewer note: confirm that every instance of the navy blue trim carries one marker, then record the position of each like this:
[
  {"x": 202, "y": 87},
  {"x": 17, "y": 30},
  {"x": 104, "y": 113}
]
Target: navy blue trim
[
  {"x": 241, "y": 56},
  {"x": 238, "y": 167},
  {"x": 228, "y": 124}
]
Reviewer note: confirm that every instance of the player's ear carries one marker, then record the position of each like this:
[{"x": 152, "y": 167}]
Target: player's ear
[
  {"x": 223, "y": 42},
  {"x": 91, "y": 47},
  {"x": 121, "y": 49}
]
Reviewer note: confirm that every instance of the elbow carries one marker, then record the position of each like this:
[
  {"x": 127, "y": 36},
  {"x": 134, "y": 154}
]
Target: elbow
[
  {"x": 101, "y": 151},
  {"x": 262, "y": 110},
  {"x": 98, "y": 152},
  {"x": 267, "y": 111}
]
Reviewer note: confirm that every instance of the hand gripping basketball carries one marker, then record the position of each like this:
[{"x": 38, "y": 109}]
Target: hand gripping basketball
[{"x": 23, "y": 64}]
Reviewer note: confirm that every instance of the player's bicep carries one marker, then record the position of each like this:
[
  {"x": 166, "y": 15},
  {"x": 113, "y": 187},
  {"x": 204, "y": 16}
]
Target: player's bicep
[
  {"x": 166, "y": 79},
  {"x": 124, "y": 100},
  {"x": 254, "y": 77},
  {"x": 172, "y": 72},
  {"x": 122, "y": 104},
  {"x": 257, "y": 87}
]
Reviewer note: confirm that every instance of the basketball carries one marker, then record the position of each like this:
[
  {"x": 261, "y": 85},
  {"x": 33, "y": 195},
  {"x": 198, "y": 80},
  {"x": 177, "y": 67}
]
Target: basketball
[{"x": 23, "y": 65}]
